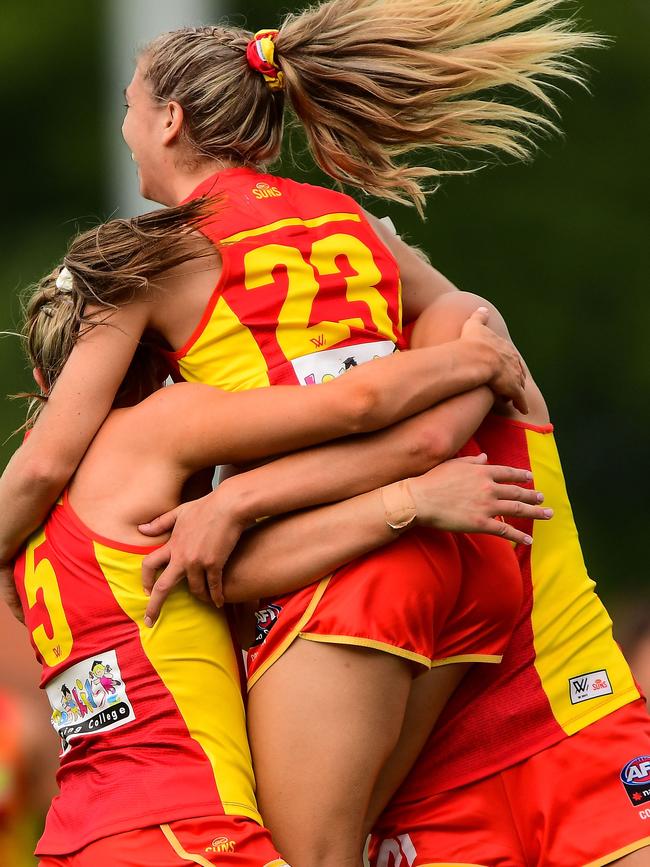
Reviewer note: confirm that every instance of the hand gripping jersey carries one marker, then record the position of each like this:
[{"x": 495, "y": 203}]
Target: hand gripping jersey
[
  {"x": 151, "y": 721},
  {"x": 561, "y": 671},
  {"x": 307, "y": 289}
]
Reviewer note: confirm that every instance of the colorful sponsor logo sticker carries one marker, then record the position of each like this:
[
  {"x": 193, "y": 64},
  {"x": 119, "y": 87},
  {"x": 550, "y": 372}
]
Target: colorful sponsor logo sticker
[
  {"x": 324, "y": 364},
  {"x": 88, "y": 698},
  {"x": 593, "y": 684},
  {"x": 635, "y": 777}
]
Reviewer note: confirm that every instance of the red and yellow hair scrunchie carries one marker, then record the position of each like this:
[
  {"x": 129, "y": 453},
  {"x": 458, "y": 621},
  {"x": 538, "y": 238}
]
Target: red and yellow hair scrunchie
[{"x": 260, "y": 54}]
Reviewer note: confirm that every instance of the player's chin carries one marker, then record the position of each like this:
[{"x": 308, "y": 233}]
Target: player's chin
[
  {"x": 145, "y": 187},
  {"x": 149, "y": 189}
]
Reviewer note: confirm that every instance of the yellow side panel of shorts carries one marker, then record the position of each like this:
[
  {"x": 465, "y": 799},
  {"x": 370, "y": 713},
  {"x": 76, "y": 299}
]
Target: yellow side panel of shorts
[
  {"x": 572, "y": 630},
  {"x": 191, "y": 648}
]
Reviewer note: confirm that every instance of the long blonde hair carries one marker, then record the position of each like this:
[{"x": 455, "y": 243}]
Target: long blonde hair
[
  {"x": 108, "y": 266},
  {"x": 372, "y": 80}
]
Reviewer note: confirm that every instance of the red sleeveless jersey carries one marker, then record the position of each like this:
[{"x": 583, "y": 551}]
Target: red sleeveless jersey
[
  {"x": 562, "y": 669},
  {"x": 307, "y": 289},
  {"x": 151, "y": 721}
]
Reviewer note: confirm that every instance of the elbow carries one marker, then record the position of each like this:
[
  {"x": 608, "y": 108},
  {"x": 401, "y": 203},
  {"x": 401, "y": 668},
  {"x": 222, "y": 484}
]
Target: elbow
[
  {"x": 364, "y": 409},
  {"x": 429, "y": 448},
  {"x": 46, "y": 475}
]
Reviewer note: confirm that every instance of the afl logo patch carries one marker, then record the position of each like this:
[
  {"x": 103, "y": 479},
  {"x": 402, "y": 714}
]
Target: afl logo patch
[
  {"x": 635, "y": 777},
  {"x": 265, "y": 620},
  {"x": 265, "y": 191}
]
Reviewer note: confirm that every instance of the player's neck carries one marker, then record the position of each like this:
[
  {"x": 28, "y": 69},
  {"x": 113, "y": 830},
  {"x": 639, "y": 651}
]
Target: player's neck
[{"x": 184, "y": 179}]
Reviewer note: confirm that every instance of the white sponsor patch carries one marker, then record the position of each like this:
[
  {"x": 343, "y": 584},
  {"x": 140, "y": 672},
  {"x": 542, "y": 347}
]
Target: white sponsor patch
[
  {"x": 590, "y": 685},
  {"x": 327, "y": 364},
  {"x": 89, "y": 697}
]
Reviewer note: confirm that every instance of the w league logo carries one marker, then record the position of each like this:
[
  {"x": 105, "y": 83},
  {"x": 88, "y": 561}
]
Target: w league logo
[
  {"x": 635, "y": 777},
  {"x": 593, "y": 684}
]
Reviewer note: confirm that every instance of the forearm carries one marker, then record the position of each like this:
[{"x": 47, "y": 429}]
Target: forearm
[
  {"x": 339, "y": 470},
  {"x": 461, "y": 496},
  {"x": 407, "y": 383},
  {"x": 28, "y": 489},
  {"x": 267, "y": 561},
  {"x": 71, "y": 416}
]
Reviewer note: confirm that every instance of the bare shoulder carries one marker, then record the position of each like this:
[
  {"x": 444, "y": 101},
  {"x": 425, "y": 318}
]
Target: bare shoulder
[
  {"x": 422, "y": 283},
  {"x": 457, "y": 307},
  {"x": 203, "y": 257},
  {"x": 154, "y": 430},
  {"x": 182, "y": 292}
]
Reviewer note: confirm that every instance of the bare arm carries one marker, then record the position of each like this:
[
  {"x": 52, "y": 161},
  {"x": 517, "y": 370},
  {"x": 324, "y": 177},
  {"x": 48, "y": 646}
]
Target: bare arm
[
  {"x": 335, "y": 471},
  {"x": 422, "y": 284},
  {"x": 206, "y": 531},
  {"x": 359, "y": 464},
  {"x": 463, "y": 495},
  {"x": 444, "y": 321},
  {"x": 78, "y": 404},
  {"x": 212, "y": 525},
  {"x": 244, "y": 426}
]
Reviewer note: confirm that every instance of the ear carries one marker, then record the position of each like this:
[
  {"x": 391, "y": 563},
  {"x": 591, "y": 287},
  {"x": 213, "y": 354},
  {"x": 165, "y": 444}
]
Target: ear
[
  {"x": 40, "y": 380},
  {"x": 173, "y": 122}
]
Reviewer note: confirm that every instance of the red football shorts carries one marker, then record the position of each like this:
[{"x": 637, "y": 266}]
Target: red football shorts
[
  {"x": 233, "y": 840},
  {"x": 430, "y": 597},
  {"x": 582, "y": 802}
]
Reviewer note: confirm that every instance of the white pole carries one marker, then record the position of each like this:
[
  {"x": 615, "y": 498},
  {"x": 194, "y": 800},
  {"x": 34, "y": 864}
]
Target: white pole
[{"x": 131, "y": 24}]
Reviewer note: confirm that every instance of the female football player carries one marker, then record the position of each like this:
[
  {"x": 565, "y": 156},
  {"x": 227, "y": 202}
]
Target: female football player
[
  {"x": 152, "y": 770},
  {"x": 299, "y": 286}
]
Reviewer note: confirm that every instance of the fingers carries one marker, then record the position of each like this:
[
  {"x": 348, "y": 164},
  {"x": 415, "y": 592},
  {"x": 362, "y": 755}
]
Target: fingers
[
  {"x": 215, "y": 586},
  {"x": 152, "y": 564},
  {"x": 481, "y": 314},
  {"x": 520, "y": 403},
  {"x": 515, "y": 509},
  {"x": 500, "y": 528},
  {"x": 161, "y": 589},
  {"x": 160, "y": 525},
  {"x": 196, "y": 581},
  {"x": 514, "y": 492},
  {"x": 473, "y": 459},
  {"x": 510, "y": 475}
]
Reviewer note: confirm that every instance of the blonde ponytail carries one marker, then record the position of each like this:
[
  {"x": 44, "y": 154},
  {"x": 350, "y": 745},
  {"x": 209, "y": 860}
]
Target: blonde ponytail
[{"x": 372, "y": 80}]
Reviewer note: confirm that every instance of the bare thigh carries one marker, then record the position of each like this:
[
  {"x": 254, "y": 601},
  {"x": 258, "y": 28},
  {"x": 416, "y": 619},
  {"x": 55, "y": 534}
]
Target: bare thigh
[
  {"x": 428, "y": 696},
  {"x": 641, "y": 858},
  {"x": 323, "y": 720}
]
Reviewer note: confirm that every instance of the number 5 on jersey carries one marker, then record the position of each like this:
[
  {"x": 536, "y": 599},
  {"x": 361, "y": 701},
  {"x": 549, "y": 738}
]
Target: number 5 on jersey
[{"x": 54, "y": 644}]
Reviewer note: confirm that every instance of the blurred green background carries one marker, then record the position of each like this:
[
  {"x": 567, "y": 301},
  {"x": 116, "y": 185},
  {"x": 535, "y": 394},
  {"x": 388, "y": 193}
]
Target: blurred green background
[{"x": 561, "y": 245}]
